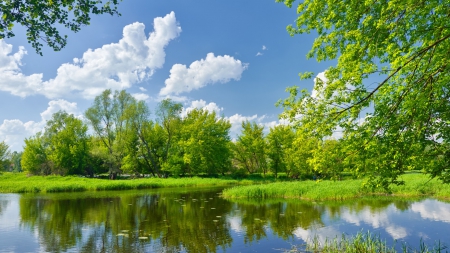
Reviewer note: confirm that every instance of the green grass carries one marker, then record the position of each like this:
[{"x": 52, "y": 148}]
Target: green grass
[
  {"x": 362, "y": 243},
  {"x": 416, "y": 185},
  {"x": 21, "y": 183}
]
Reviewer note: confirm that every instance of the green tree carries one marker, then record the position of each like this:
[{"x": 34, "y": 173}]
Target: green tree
[
  {"x": 328, "y": 159},
  {"x": 69, "y": 146},
  {"x": 169, "y": 117},
  {"x": 16, "y": 158},
  {"x": 279, "y": 143},
  {"x": 204, "y": 141},
  {"x": 4, "y": 156},
  {"x": 107, "y": 116},
  {"x": 43, "y": 19},
  {"x": 406, "y": 43},
  {"x": 298, "y": 155},
  {"x": 34, "y": 158},
  {"x": 249, "y": 149}
]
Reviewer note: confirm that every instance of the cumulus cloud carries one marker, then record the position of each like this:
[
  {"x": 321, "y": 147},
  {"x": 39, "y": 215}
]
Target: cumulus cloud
[
  {"x": 140, "y": 96},
  {"x": 15, "y": 131},
  {"x": 212, "y": 69},
  {"x": 264, "y": 47},
  {"x": 201, "y": 104},
  {"x": 116, "y": 66},
  {"x": 259, "y": 54},
  {"x": 12, "y": 79},
  {"x": 142, "y": 89}
]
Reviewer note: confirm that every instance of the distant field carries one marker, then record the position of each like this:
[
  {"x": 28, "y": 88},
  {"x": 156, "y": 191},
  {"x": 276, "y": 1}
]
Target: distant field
[{"x": 415, "y": 185}]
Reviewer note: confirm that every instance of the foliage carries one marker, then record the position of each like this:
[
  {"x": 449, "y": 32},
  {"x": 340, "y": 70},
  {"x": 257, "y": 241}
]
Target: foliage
[
  {"x": 204, "y": 141},
  {"x": 249, "y": 149},
  {"x": 42, "y": 19},
  {"x": 16, "y": 158},
  {"x": 68, "y": 143},
  {"x": 107, "y": 116},
  {"x": 62, "y": 149},
  {"x": 406, "y": 43},
  {"x": 279, "y": 143},
  {"x": 34, "y": 158},
  {"x": 4, "y": 155}
]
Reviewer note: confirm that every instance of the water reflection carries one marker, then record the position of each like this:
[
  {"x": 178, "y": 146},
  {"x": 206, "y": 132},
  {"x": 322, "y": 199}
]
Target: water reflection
[{"x": 198, "y": 220}]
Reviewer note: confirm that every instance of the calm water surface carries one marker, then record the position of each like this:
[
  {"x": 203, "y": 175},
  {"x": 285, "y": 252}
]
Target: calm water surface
[{"x": 199, "y": 220}]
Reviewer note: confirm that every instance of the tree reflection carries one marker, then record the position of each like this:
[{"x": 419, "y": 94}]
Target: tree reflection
[{"x": 166, "y": 222}]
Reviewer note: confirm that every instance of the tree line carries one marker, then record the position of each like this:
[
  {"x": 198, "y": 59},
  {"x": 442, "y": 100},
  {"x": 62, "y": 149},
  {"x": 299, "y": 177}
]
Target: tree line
[{"x": 118, "y": 135}]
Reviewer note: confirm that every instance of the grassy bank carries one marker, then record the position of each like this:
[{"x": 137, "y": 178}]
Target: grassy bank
[
  {"x": 363, "y": 243},
  {"x": 415, "y": 185},
  {"x": 21, "y": 183}
]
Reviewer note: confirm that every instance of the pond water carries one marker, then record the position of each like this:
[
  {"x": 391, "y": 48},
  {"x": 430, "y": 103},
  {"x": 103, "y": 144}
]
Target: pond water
[{"x": 199, "y": 220}]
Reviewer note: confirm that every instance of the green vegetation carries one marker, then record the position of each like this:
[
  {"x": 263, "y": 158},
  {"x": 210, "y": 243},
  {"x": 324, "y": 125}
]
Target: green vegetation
[
  {"x": 416, "y": 185},
  {"x": 361, "y": 243},
  {"x": 21, "y": 183},
  {"x": 44, "y": 19},
  {"x": 387, "y": 93}
]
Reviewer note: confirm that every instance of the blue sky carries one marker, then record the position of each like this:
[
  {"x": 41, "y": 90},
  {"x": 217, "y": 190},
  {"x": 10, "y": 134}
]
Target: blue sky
[{"x": 234, "y": 57}]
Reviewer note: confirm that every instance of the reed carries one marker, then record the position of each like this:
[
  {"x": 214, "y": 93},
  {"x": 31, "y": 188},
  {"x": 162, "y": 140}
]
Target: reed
[
  {"x": 21, "y": 183},
  {"x": 416, "y": 185},
  {"x": 362, "y": 243}
]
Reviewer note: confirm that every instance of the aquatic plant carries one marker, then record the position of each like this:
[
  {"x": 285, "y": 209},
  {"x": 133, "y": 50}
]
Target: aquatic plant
[{"x": 362, "y": 243}]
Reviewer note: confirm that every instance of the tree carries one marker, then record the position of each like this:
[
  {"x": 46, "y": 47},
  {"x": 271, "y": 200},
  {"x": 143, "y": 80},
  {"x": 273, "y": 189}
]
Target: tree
[
  {"x": 34, "y": 158},
  {"x": 68, "y": 144},
  {"x": 299, "y": 154},
  {"x": 169, "y": 118},
  {"x": 279, "y": 143},
  {"x": 204, "y": 140},
  {"x": 107, "y": 116},
  {"x": 249, "y": 149},
  {"x": 43, "y": 19},
  {"x": 406, "y": 43},
  {"x": 4, "y": 155},
  {"x": 16, "y": 158}
]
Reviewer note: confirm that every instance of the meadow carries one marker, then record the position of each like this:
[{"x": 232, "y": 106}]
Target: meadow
[
  {"x": 21, "y": 183},
  {"x": 416, "y": 185}
]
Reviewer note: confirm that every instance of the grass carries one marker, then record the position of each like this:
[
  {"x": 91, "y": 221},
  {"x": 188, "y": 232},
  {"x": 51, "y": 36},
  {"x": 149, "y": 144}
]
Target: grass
[
  {"x": 362, "y": 243},
  {"x": 416, "y": 185},
  {"x": 21, "y": 183}
]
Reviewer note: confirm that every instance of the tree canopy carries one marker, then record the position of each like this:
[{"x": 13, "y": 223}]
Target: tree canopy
[
  {"x": 406, "y": 44},
  {"x": 43, "y": 19}
]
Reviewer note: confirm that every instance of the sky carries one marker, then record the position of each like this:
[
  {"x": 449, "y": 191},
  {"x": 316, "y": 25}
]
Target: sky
[{"x": 232, "y": 57}]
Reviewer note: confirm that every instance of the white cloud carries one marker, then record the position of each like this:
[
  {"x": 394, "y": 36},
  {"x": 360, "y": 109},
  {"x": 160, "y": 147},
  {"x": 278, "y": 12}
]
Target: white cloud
[
  {"x": 12, "y": 80},
  {"x": 14, "y": 131},
  {"x": 264, "y": 47},
  {"x": 321, "y": 234},
  {"x": 200, "y": 73},
  {"x": 117, "y": 65},
  {"x": 259, "y": 54},
  {"x": 201, "y": 104},
  {"x": 142, "y": 89},
  {"x": 432, "y": 210},
  {"x": 140, "y": 96}
]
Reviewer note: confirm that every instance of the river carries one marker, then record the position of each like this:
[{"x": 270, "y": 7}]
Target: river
[{"x": 199, "y": 220}]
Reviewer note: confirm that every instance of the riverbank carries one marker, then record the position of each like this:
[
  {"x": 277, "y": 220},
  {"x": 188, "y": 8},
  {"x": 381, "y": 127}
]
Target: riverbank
[
  {"x": 416, "y": 185},
  {"x": 21, "y": 183}
]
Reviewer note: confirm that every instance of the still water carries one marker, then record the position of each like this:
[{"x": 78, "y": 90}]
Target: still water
[{"x": 199, "y": 220}]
